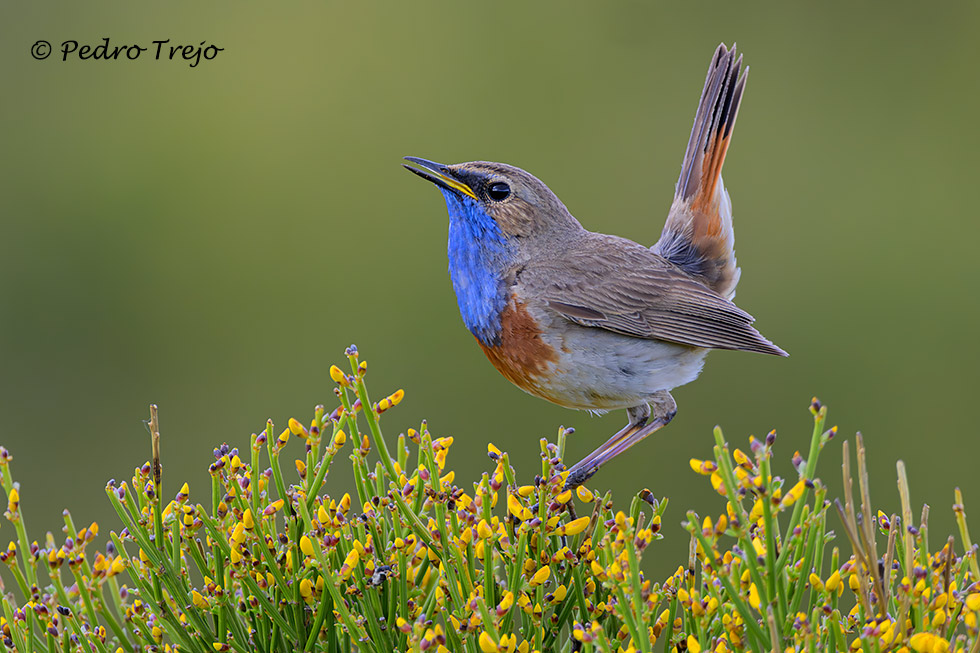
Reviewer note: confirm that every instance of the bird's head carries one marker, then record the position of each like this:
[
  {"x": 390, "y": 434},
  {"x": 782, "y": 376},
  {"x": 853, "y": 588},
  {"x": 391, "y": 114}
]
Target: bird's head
[
  {"x": 498, "y": 200},
  {"x": 500, "y": 218}
]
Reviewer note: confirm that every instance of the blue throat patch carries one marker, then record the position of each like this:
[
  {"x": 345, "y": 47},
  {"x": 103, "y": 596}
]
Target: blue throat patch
[{"x": 478, "y": 257}]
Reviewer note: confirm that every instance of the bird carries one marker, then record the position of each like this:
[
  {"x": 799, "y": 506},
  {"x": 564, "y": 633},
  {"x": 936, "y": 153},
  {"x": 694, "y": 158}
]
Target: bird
[{"x": 592, "y": 321}]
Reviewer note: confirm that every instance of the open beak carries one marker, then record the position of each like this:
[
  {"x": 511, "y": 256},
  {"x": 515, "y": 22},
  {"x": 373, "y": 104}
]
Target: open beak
[{"x": 439, "y": 175}]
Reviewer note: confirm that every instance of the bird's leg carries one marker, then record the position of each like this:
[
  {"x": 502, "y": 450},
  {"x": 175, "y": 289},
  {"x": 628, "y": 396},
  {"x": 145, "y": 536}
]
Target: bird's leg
[
  {"x": 583, "y": 469},
  {"x": 644, "y": 420}
]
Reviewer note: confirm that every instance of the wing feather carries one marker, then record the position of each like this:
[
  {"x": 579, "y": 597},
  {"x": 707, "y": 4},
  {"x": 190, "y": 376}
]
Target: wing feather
[{"x": 626, "y": 288}]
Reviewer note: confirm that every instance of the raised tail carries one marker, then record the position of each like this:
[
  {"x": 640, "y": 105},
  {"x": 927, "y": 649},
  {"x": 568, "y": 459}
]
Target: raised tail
[{"x": 698, "y": 235}]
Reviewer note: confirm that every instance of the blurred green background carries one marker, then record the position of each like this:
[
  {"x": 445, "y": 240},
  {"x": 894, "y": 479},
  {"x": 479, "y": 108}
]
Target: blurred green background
[{"x": 210, "y": 239}]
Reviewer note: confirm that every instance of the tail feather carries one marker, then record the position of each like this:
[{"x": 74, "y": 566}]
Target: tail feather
[{"x": 698, "y": 235}]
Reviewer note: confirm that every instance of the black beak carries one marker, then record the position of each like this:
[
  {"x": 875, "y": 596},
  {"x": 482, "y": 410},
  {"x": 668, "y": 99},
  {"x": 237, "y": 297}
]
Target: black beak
[{"x": 438, "y": 174}]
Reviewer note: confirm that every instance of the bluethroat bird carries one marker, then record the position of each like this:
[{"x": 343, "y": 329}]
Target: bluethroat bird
[{"x": 593, "y": 321}]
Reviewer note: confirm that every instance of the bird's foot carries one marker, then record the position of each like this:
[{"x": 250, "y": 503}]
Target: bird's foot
[
  {"x": 577, "y": 477},
  {"x": 644, "y": 420}
]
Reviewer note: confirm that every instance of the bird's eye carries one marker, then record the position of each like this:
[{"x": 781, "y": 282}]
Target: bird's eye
[{"x": 498, "y": 191}]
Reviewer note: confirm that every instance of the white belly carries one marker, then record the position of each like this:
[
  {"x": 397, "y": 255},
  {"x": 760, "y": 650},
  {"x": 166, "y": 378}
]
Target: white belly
[{"x": 601, "y": 370}]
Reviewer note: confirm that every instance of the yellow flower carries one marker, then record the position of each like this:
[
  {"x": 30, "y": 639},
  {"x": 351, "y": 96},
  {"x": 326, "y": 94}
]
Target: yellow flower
[
  {"x": 306, "y": 545},
  {"x": 833, "y": 583},
  {"x": 928, "y": 643},
  {"x": 306, "y": 589},
  {"x": 816, "y": 583},
  {"x": 118, "y": 566},
  {"x": 559, "y": 594},
  {"x": 515, "y": 508},
  {"x": 297, "y": 429},
  {"x": 483, "y": 530},
  {"x": 238, "y": 534},
  {"x": 718, "y": 483},
  {"x": 540, "y": 576},
  {"x": 198, "y": 600},
  {"x": 338, "y": 376},
  {"x": 273, "y": 507},
  {"x": 794, "y": 494},
  {"x": 573, "y": 527},
  {"x": 349, "y": 563},
  {"x": 704, "y": 467},
  {"x": 487, "y": 645},
  {"x": 597, "y": 570},
  {"x": 973, "y": 601}
]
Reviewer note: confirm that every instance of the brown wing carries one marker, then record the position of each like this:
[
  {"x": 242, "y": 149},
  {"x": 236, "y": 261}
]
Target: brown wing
[{"x": 616, "y": 284}]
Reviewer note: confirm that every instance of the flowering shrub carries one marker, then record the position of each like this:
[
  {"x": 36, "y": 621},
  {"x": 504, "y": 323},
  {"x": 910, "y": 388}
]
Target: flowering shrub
[{"x": 415, "y": 561}]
